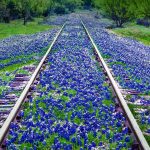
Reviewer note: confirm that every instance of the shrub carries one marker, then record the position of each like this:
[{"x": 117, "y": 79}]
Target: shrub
[
  {"x": 60, "y": 9},
  {"x": 144, "y": 22}
]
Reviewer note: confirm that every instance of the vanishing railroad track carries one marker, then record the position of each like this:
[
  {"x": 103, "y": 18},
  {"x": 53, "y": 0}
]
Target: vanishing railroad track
[{"x": 9, "y": 112}]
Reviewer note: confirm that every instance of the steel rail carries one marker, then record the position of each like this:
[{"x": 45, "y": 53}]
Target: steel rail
[
  {"x": 135, "y": 127},
  {"x": 4, "y": 129}
]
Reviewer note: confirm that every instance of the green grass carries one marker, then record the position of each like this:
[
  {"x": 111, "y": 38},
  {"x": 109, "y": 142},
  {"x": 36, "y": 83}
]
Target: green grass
[
  {"x": 72, "y": 91},
  {"x": 20, "y": 57},
  {"x": 147, "y": 138},
  {"x": 77, "y": 120},
  {"x": 106, "y": 56},
  {"x": 25, "y": 60},
  {"x": 134, "y": 31},
  {"x": 60, "y": 114},
  {"x": 107, "y": 102},
  {"x": 65, "y": 98},
  {"x": 118, "y": 63},
  {"x": 2, "y": 88},
  {"x": 17, "y": 27},
  {"x": 14, "y": 67},
  {"x": 21, "y": 71}
]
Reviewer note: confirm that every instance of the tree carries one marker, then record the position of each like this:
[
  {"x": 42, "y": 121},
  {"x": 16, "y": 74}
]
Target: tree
[
  {"x": 71, "y": 5},
  {"x": 142, "y": 11},
  {"x": 143, "y": 7},
  {"x": 4, "y": 11},
  {"x": 87, "y": 3},
  {"x": 35, "y": 7},
  {"x": 24, "y": 7},
  {"x": 65, "y": 6},
  {"x": 39, "y": 7},
  {"x": 117, "y": 10}
]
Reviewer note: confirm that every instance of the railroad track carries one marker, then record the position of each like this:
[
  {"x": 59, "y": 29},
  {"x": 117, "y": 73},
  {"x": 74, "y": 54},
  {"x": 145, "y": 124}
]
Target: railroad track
[
  {"x": 14, "y": 111},
  {"x": 133, "y": 124},
  {"x": 139, "y": 142}
]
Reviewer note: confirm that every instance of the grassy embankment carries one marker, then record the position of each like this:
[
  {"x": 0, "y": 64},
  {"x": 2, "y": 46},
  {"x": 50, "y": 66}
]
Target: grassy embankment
[
  {"x": 16, "y": 27},
  {"x": 134, "y": 31}
]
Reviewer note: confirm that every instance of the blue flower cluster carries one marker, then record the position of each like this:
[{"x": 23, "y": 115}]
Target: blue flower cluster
[
  {"x": 23, "y": 45},
  {"x": 56, "y": 20},
  {"x": 128, "y": 58},
  {"x": 18, "y": 51},
  {"x": 130, "y": 64},
  {"x": 72, "y": 107}
]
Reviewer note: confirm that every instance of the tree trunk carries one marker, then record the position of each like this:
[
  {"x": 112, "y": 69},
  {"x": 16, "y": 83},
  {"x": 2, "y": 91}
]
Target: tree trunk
[
  {"x": 119, "y": 23},
  {"x": 6, "y": 20},
  {"x": 24, "y": 20},
  {"x": 25, "y": 17},
  {"x": 6, "y": 16}
]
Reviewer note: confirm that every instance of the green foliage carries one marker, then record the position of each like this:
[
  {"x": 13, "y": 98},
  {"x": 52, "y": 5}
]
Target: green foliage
[
  {"x": 122, "y": 11},
  {"x": 4, "y": 11},
  {"x": 2, "y": 88},
  {"x": 66, "y": 6},
  {"x": 72, "y": 91},
  {"x": 147, "y": 137},
  {"x": 107, "y": 102},
  {"x": 87, "y": 3},
  {"x": 77, "y": 120},
  {"x": 65, "y": 98},
  {"x": 41, "y": 6},
  {"x": 13, "y": 9},
  {"x": 26, "y": 9},
  {"x": 60, "y": 9},
  {"x": 141, "y": 8},
  {"x": 142, "y": 11},
  {"x": 137, "y": 32},
  {"x": 72, "y": 4},
  {"x": 16, "y": 27},
  {"x": 117, "y": 10}
]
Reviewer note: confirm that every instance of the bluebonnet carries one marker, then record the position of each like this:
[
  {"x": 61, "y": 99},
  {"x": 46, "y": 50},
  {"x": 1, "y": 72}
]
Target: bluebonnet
[
  {"x": 128, "y": 58},
  {"x": 79, "y": 120}
]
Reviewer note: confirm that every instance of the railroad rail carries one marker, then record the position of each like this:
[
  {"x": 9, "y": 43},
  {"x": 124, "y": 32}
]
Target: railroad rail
[
  {"x": 133, "y": 124},
  {"x": 5, "y": 127}
]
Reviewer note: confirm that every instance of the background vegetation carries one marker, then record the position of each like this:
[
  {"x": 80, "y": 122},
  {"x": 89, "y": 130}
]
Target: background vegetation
[
  {"x": 26, "y": 9},
  {"x": 134, "y": 31},
  {"x": 121, "y": 11}
]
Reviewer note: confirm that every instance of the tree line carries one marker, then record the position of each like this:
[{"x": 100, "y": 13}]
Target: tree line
[
  {"x": 26, "y": 9},
  {"x": 121, "y": 11}
]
